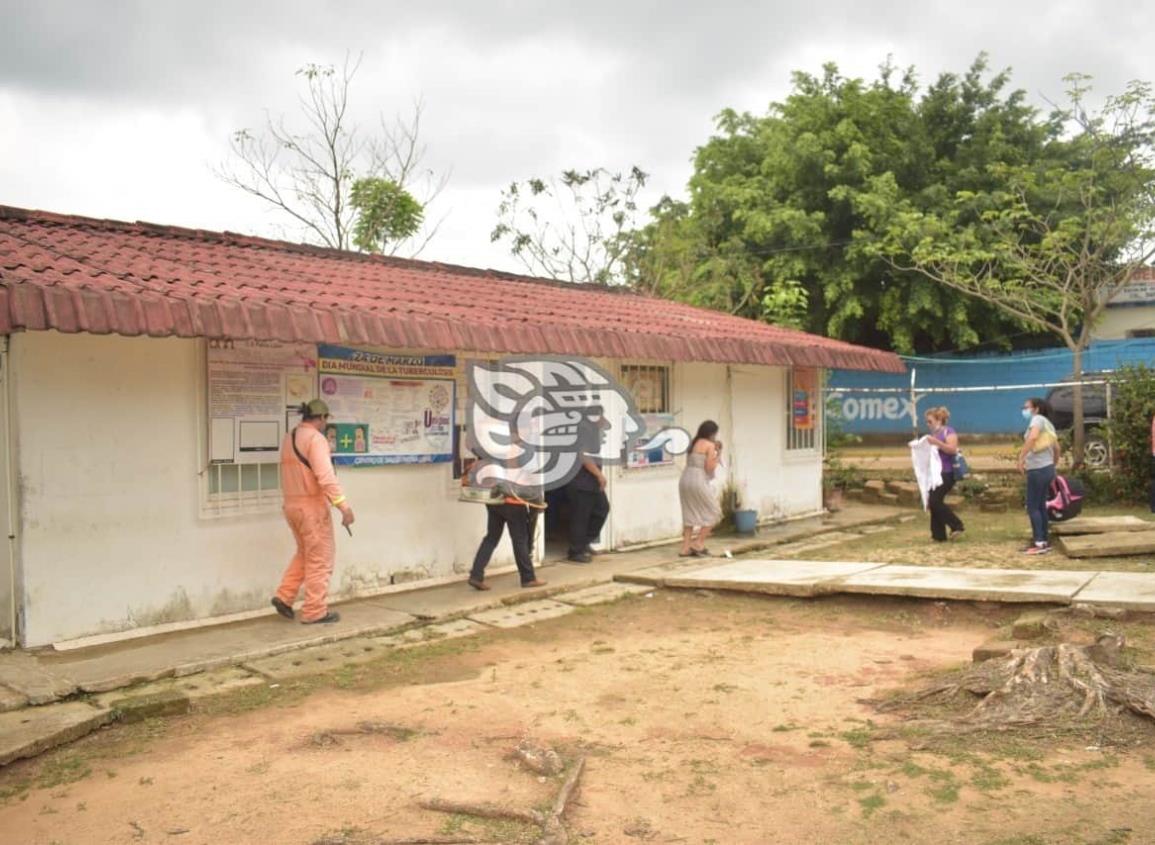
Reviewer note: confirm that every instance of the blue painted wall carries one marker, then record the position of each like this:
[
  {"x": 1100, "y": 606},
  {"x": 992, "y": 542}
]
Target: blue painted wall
[{"x": 985, "y": 412}]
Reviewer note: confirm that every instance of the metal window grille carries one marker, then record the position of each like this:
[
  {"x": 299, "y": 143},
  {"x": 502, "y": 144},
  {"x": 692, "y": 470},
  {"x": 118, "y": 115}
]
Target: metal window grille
[
  {"x": 802, "y": 396},
  {"x": 242, "y": 488},
  {"x": 649, "y": 385}
]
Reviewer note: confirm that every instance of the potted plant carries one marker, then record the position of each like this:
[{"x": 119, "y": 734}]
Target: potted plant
[{"x": 837, "y": 478}]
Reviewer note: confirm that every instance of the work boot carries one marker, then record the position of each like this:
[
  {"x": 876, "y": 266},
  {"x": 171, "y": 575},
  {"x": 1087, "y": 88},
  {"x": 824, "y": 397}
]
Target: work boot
[
  {"x": 331, "y": 616},
  {"x": 282, "y": 608}
]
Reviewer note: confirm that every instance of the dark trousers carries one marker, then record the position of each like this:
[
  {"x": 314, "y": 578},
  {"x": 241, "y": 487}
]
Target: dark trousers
[
  {"x": 521, "y": 525},
  {"x": 1038, "y": 488},
  {"x": 588, "y": 510},
  {"x": 941, "y": 516}
]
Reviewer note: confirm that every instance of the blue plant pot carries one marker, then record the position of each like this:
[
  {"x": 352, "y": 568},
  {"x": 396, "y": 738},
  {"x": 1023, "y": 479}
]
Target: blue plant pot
[{"x": 746, "y": 521}]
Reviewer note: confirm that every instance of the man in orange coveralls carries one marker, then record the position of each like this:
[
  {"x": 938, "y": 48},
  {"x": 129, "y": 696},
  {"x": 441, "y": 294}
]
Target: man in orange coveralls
[{"x": 310, "y": 487}]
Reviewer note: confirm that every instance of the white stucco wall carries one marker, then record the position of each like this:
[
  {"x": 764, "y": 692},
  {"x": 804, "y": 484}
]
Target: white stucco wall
[
  {"x": 112, "y": 535},
  {"x": 1115, "y": 322},
  {"x": 748, "y": 403}
]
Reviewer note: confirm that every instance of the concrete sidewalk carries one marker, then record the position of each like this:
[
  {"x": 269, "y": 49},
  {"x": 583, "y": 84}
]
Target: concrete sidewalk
[
  {"x": 85, "y": 688},
  {"x": 1120, "y": 590}
]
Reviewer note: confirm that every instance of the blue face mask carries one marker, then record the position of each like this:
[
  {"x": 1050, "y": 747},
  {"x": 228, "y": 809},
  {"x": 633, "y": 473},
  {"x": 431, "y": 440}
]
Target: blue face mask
[{"x": 1027, "y": 413}]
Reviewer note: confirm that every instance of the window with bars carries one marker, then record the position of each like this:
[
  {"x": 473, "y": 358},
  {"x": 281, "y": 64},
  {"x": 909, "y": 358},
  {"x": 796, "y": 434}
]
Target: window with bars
[
  {"x": 241, "y": 488},
  {"x": 649, "y": 385},
  {"x": 801, "y": 409}
]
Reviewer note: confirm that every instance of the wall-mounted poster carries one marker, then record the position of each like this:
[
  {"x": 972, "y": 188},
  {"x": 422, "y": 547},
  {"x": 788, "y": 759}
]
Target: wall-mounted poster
[
  {"x": 387, "y": 409},
  {"x": 254, "y": 388},
  {"x": 804, "y": 398},
  {"x": 653, "y": 457}
]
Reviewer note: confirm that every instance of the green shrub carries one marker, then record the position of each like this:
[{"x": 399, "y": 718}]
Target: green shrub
[{"x": 1129, "y": 429}]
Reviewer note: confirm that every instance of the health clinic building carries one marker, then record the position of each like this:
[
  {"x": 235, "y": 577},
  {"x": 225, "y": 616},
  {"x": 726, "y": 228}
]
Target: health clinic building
[{"x": 150, "y": 371}]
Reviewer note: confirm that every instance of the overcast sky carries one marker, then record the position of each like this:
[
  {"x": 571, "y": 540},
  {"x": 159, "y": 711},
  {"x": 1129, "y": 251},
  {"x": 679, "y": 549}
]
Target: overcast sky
[{"x": 120, "y": 109}]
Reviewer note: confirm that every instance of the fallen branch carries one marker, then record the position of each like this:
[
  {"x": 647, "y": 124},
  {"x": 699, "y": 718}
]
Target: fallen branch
[
  {"x": 483, "y": 810},
  {"x": 567, "y": 789}
]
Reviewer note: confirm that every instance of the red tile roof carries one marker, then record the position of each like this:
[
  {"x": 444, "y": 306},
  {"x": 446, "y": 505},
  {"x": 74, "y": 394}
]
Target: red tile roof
[{"x": 76, "y": 274}]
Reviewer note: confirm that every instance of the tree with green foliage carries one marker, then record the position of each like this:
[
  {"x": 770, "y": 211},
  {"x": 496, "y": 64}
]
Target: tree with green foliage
[
  {"x": 1129, "y": 429},
  {"x": 775, "y": 226},
  {"x": 1053, "y": 239},
  {"x": 576, "y": 228},
  {"x": 343, "y": 186}
]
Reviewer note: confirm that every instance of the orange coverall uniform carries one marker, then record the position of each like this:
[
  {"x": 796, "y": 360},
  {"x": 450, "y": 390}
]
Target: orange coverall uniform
[{"x": 309, "y": 492}]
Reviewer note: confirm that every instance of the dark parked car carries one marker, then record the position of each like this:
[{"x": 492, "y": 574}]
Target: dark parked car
[{"x": 1062, "y": 398}]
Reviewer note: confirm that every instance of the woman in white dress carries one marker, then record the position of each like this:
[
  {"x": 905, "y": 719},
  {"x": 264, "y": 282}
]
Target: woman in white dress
[{"x": 700, "y": 508}]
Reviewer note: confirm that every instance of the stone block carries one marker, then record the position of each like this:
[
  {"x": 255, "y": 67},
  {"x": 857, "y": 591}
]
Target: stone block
[
  {"x": 888, "y": 498},
  {"x": 1101, "y": 525},
  {"x": 33, "y": 730},
  {"x": 994, "y": 649}
]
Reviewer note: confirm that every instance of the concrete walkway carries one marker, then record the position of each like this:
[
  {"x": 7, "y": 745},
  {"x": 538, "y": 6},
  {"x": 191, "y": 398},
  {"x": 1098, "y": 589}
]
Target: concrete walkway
[
  {"x": 1123, "y": 590},
  {"x": 49, "y": 697}
]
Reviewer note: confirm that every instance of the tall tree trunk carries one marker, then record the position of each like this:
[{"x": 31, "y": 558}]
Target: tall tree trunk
[{"x": 1077, "y": 377}]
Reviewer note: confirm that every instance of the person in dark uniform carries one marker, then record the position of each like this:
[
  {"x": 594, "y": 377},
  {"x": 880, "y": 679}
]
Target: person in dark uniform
[{"x": 588, "y": 504}]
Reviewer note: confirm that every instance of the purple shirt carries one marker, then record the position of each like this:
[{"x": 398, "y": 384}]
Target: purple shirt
[{"x": 947, "y": 460}]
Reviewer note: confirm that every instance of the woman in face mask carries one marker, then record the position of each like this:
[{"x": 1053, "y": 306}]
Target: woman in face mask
[
  {"x": 1037, "y": 460},
  {"x": 945, "y": 439}
]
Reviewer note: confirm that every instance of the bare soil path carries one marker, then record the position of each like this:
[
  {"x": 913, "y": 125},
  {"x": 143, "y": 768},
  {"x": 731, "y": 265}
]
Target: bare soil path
[{"x": 704, "y": 718}]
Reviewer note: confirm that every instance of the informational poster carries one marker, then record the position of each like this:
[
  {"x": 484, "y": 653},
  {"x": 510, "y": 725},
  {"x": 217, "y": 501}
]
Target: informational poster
[
  {"x": 803, "y": 401},
  {"x": 388, "y": 409},
  {"x": 254, "y": 388},
  {"x": 653, "y": 457}
]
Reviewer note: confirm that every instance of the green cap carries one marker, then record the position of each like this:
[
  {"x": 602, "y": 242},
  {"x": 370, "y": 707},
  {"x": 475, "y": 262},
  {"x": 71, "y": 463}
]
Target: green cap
[{"x": 314, "y": 408}]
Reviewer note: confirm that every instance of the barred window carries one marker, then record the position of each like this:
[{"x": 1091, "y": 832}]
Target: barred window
[
  {"x": 649, "y": 385},
  {"x": 241, "y": 488},
  {"x": 801, "y": 408}
]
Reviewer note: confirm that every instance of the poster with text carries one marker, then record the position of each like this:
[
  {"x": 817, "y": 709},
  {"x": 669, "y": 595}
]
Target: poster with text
[
  {"x": 254, "y": 387},
  {"x": 388, "y": 409}
]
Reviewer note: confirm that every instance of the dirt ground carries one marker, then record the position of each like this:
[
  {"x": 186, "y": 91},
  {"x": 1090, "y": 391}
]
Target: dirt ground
[
  {"x": 991, "y": 540},
  {"x": 705, "y": 718}
]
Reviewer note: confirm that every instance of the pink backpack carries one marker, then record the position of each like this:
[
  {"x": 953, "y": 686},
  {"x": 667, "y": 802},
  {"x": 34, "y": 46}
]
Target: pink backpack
[{"x": 1066, "y": 498}]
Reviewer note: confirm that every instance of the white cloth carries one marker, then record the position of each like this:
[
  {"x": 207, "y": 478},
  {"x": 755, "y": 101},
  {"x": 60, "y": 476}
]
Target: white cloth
[{"x": 927, "y": 466}]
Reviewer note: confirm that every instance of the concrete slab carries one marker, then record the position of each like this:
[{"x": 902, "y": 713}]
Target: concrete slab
[
  {"x": 655, "y": 576},
  {"x": 28, "y": 732},
  {"x": 189, "y": 652},
  {"x": 523, "y": 614},
  {"x": 195, "y": 689},
  {"x": 935, "y": 582},
  {"x": 1101, "y": 525},
  {"x": 1111, "y": 544},
  {"x": 601, "y": 594},
  {"x": 433, "y": 633},
  {"x": 39, "y": 684},
  {"x": 775, "y": 577},
  {"x": 10, "y": 699},
  {"x": 1127, "y": 590},
  {"x": 320, "y": 659}
]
